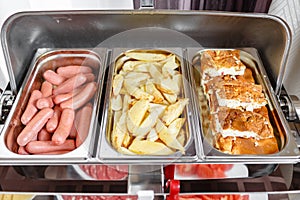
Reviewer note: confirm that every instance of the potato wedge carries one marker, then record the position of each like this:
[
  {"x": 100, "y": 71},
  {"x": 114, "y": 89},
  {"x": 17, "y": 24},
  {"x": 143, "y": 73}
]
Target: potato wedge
[
  {"x": 152, "y": 135},
  {"x": 119, "y": 131},
  {"x": 145, "y": 147},
  {"x": 117, "y": 137},
  {"x": 117, "y": 84},
  {"x": 174, "y": 111},
  {"x": 121, "y": 61},
  {"x": 137, "y": 78},
  {"x": 151, "y": 89},
  {"x": 136, "y": 115},
  {"x": 126, "y": 103},
  {"x": 175, "y": 127},
  {"x": 125, "y": 151},
  {"x": 169, "y": 67},
  {"x": 127, "y": 140},
  {"x": 181, "y": 137},
  {"x": 169, "y": 139},
  {"x": 168, "y": 85},
  {"x": 116, "y": 103},
  {"x": 148, "y": 123},
  {"x": 137, "y": 92},
  {"x": 171, "y": 98}
]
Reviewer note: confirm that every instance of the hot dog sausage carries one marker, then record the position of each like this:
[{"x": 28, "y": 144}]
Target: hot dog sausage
[
  {"x": 64, "y": 126},
  {"x": 11, "y": 137},
  {"x": 34, "y": 126},
  {"x": 89, "y": 77},
  {"x": 73, "y": 132},
  {"x": 31, "y": 109},
  {"x": 54, "y": 152},
  {"x": 53, "y": 77},
  {"x": 39, "y": 147},
  {"x": 72, "y": 70},
  {"x": 46, "y": 89},
  {"x": 44, "y": 135},
  {"x": 22, "y": 151},
  {"x": 53, "y": 121},
  {"x": 70, "y": 84},
  {"x": 63, "y": 97},
  {"x": 83, "y": 124},
  {"x": 81, "y": 98},
  {"x": 45, "y": 102}
]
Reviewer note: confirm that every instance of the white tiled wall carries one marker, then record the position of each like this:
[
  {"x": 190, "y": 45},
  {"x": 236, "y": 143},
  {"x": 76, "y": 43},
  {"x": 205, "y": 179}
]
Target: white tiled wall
[{"x": 289, "y": 10}]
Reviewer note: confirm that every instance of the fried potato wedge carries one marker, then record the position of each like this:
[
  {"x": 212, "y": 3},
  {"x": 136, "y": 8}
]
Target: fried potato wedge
[
  {"x": 181, "y": 137},
  {"x": 136, "y": 92},
  {"x": 171, "y": 98},
  {"x": 149, "y": 122},
  {"x": 120, "y": 62},
  {"x": 137, "y": 78},
  {"x": 136, "y": 114},
  {"x": 151, "y": 89},
  {"x": 168, "y": 85},
  {"x": 169, "y": 67},
  {"x": 125, "y": 151},
  {"x": 175, "y": 127},
  {"x": 174, "y": 111},
  {"x": 152, "y": 135},
  {"x": 117, "y": 84},
  {"x": 145, "y": 147},
  {"x": 169, "y": 139},
  {"x": 116, "y": 103},
  {"x": 119, "y": 131},
  {"x": 126, "y": 103}
]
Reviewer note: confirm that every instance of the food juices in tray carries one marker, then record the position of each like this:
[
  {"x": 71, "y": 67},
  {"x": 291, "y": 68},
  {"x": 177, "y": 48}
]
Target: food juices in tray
[
  {"x": 148, "y": 111},
  {"x": 55, "y": 107},
  {"x": 238, "y": 114}
]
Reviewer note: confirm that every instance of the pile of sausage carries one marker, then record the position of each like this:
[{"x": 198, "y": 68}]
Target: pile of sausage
[{"x": 57, "y": 116}]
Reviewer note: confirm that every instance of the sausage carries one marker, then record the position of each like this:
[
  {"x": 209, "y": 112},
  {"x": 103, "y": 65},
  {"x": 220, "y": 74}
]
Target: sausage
[
  {"x": 54, "y": 152},
  {"x": 22, "y": 151},
  {"x": 89, "y": 77},
  {"x": 53, "y": 121},
  {"x": 46, "y": 89},
  {"x": 31, "y": 109},
  {"x": 53, "y": 77},
  {"x": 70, "y": 84},
  {"x": 11, "y": 137},
  {"x": 44, "y": 135},
  {"x": 81, "y": 98},
  {"x": 84, "y": 124},
  {"x": 63, "y": 97},
  {"x": 73, "y": 132},
  {"x": 39, "y": 147},
  {"x": 72, "y": 70},
  {"x": 45, "y": 102},
  {"x": 34, "y": 126},
  {"x": 64, "y": 127}
]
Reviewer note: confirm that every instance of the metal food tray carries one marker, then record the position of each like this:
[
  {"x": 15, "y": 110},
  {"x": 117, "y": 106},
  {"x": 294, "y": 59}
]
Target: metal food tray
[
  {"x": 45, "y": 59},
  {"x": 108, "y": 154},
  {"x": 286, "y": 144}
]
